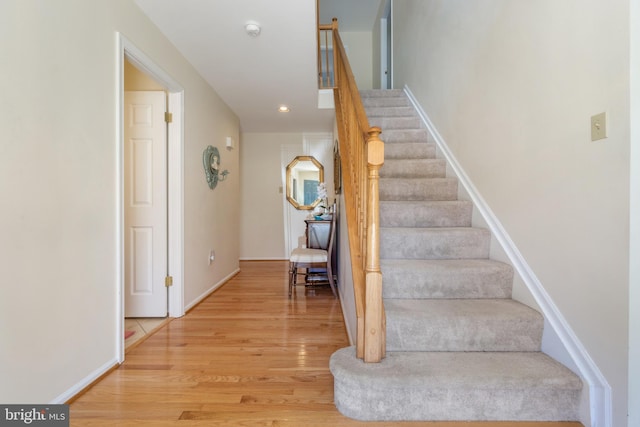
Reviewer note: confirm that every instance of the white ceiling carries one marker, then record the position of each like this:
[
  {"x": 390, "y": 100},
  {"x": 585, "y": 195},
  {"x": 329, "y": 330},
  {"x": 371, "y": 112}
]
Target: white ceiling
[{"x": 255, "y": 76}]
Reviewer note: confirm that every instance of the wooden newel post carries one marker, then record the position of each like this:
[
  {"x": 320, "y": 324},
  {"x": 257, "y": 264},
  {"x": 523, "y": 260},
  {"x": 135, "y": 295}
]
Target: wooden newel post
[{"x": 374, "y": 318}]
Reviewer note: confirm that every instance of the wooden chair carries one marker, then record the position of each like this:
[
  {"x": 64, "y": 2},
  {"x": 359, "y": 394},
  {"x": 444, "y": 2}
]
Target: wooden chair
[{"x": 309, "y": 258}]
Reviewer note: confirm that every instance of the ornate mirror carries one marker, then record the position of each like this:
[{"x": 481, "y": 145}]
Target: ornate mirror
[{"x": 304, "y": 173}]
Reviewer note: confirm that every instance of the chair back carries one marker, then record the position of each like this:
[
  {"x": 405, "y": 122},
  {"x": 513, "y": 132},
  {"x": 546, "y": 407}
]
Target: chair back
[{"x": 332, "y": 230}]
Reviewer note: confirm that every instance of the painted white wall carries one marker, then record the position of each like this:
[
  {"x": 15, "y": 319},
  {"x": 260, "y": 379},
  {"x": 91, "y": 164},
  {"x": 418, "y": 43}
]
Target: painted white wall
[
  {"x": 376, "y": 33},
  {"x": 511, "y": 87},
  {"x": 270, "y": 226},
  {"x": 58, "y": 174},
  {"x": 359, "y": 49},
  {"x": 345, "y": 276},
  {"x": 375, "y": 48},
  {"x": 261, "y": 193},
  {"x": 634, "y": 256}
]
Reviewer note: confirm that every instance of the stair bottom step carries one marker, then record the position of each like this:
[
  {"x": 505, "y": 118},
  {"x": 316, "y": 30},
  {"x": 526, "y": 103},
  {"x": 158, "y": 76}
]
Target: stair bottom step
[{"x": 460, "y": 386}]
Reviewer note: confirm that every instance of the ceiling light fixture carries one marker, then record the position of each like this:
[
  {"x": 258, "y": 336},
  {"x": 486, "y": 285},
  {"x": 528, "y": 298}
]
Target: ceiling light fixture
[
  {"x": 283, "y": 109},
  {"x": 252, "y": 28}
]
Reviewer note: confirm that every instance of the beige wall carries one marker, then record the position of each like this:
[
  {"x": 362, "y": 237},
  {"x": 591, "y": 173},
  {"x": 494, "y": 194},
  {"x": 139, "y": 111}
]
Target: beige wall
[
  {"x": 377, "y": 45},
  {"x": 634, "y": 256},
  {"x": 359, "y": 50},
  {"x": 270, "y": 226},
  {"x": 511, "y": 87},
  {"x": 262, "y": 229},
  {"x": 58, "y": 175}
]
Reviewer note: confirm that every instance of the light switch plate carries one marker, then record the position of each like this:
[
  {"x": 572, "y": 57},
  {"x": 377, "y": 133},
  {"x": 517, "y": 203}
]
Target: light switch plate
[{"x": 599, "y": 126}]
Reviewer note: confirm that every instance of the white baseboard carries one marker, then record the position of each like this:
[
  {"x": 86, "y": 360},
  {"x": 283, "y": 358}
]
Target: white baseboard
[
  {"x": 211, "y": 289},
  {"x": 601, "y": 414},
  {"x": 85, "y": 382}
]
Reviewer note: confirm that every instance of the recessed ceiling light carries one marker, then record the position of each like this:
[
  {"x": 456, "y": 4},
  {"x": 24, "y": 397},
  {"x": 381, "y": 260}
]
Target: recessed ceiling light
[
  {"x": 252, "y": 28},
  {"x": 283, "y": 109}
]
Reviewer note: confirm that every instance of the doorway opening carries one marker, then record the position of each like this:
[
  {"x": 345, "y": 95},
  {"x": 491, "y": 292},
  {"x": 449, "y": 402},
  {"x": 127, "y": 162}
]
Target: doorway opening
[
  {"x": 386, "y": 44},
  {"x": 173, "y": 185}
]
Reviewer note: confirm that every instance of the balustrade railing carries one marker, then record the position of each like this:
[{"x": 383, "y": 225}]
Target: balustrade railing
[{"x": 362, "y": 156}]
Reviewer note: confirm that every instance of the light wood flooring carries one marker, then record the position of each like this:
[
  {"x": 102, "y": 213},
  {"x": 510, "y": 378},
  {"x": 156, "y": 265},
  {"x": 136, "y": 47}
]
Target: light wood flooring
[{"x": 246, "y": 356}]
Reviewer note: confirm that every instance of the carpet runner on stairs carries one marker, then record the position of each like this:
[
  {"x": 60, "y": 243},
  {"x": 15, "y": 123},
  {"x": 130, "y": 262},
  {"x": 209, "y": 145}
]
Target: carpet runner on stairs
[{"x": 458, "y": 346}]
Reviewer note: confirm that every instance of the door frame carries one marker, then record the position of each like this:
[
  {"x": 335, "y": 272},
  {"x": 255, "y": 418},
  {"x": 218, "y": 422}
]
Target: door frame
[{"x": 175, "y": 182}]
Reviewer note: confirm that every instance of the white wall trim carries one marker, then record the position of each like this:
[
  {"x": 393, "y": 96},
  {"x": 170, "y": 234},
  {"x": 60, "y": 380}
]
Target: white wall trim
[
  {"x": 175, "y": 199},
  {"x": 175, "y": 190},
  {"x": 85, "y": 382},
  {"x": 599, "y": 390},
  {"x": 211, "y": 289}
]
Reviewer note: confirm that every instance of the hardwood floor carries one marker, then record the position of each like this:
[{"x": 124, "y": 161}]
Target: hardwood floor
[{"x": 246, "y": 356}]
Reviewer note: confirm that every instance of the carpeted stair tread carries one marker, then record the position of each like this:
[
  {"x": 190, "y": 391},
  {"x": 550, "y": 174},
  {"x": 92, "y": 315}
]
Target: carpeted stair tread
[
  {"x": 418, "y": 189},
  {"x": 434, "y": 243},
  {"x": 467, "y": 278},
  {"x": 414, "y": 168},
  {"x": 410, "y": 150},
  {"x": 455, "y": 386},
  {"x": 458, "y": 347},
  {"x": 462, "y": 325},
  {"x": 435, "y": 213}
]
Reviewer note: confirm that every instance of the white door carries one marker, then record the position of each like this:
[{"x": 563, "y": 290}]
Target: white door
[{"x": 145, "y": 204}]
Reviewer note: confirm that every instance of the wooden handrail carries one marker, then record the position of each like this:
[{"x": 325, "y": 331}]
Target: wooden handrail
[{"x": 362, "y": 156}]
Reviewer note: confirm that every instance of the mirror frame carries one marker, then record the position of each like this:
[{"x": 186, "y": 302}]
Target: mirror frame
[{"x": 290, "y": 166}]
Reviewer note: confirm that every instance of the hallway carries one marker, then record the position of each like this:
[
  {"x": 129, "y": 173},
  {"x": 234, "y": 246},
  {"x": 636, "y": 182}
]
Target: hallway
[{"x": 246, "y": 355}]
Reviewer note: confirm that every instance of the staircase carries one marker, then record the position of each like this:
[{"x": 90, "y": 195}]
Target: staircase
[{"x": 458, "y": 346}]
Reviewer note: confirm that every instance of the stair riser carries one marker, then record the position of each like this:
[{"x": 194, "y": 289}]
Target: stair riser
[
  {"x": 390, "y": 112},
  {"x": 385, "y": 102},
  {"x": 520, "y": 331},
  {"x": 459, "y": 404},
  {"x": 409, "y": 150},
  {"x": 440, "y": 279},
  {"x": 455, "y": 386},
  {"x": 404, "y": 135},
  {"x": 422, "y": 168},
  {"x": 384, "y": 93},
  {"x": 434, "y": 243},
  {"x": 425, "y": 214},
  {"x": 418, "y": 189},
  {"x": 389, "y": 123}
]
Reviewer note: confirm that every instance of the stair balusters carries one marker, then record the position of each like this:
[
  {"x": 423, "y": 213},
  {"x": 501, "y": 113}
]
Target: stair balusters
[{"x": 362, "y": 156}]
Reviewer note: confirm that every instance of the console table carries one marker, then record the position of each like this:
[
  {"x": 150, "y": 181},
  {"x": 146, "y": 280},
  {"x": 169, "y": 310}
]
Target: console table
[
  {"x": 317, "y": 233},
  {"x": 317, "y": 236}
]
